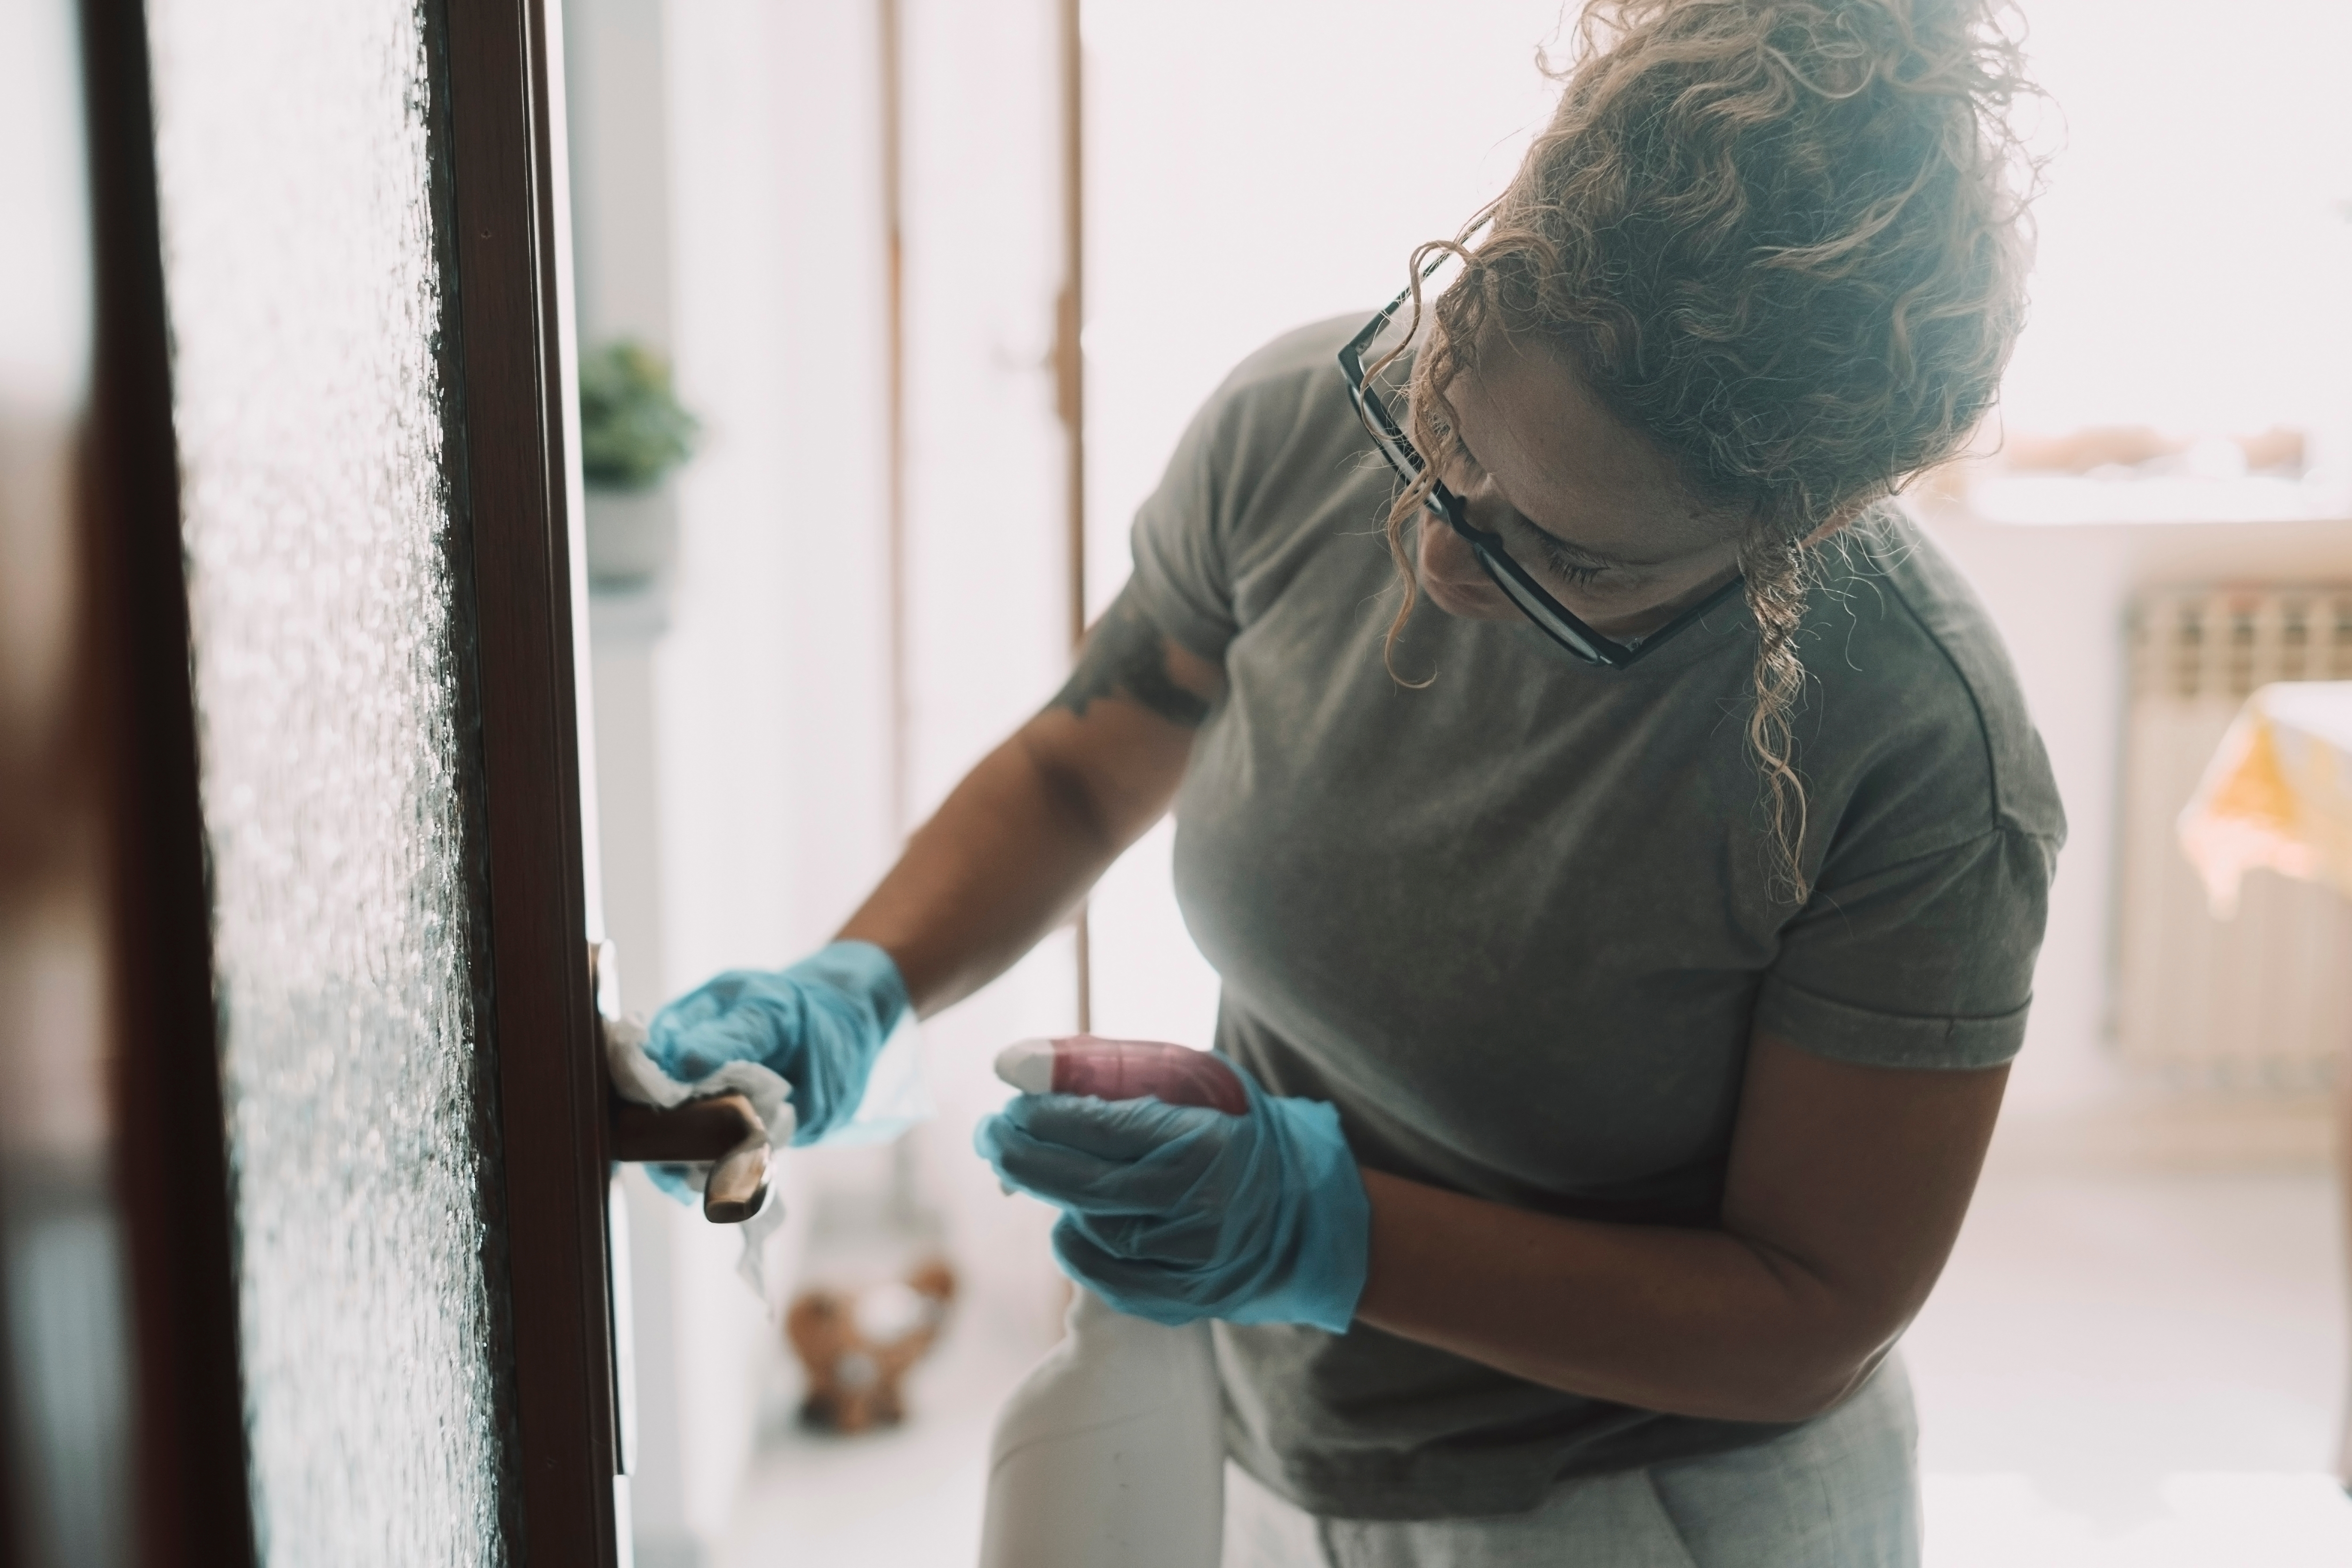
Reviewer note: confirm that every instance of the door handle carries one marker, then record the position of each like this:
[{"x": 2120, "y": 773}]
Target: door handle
[{"x": 721, "y": 1129}]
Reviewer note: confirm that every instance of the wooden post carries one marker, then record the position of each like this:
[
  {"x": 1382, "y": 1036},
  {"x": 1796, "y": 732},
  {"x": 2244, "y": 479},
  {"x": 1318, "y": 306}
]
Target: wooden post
[
  {"x": 1070, "y": 382},
  {"x": 894, "y": 305}
]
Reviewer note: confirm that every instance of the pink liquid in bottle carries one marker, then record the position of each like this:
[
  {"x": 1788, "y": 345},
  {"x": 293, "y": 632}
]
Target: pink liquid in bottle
[{"x": 1122, "y": 1070}]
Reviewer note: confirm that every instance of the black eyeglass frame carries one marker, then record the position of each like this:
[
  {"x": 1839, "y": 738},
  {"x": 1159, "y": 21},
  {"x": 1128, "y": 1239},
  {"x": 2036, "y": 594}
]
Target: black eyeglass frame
[{"x": 1551, "y": 618}]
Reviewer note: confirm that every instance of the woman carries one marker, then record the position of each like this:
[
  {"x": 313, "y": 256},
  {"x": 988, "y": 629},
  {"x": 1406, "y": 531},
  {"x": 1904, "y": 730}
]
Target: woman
[{"x": 1626, "y": 935}]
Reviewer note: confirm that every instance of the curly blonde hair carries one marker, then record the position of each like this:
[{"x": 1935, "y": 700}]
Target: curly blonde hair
[{"x": 1784, "y": 240}]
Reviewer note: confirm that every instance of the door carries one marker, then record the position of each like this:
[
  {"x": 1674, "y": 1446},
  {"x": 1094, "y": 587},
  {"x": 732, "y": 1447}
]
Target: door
[{"x": 311, "y": 821}]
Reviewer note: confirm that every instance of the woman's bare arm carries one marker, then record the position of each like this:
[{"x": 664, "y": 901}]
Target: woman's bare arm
[
  {"x": 1845, "y": 1191},
  {"x": 1016, "y": 846}
]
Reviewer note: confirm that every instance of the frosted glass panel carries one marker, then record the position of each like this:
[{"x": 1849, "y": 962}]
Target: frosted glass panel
[{"x": 306, "y": 310}]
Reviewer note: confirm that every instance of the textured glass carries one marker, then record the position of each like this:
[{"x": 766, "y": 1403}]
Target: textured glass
[{"x": 305, "y": 304}]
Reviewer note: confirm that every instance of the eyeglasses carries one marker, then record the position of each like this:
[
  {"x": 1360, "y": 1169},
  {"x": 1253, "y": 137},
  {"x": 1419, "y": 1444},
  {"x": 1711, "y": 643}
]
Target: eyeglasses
[{"x": 1552, "y": 617}]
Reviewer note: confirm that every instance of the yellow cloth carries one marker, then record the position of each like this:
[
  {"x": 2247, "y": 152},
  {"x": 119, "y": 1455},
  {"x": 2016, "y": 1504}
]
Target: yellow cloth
[{"x": 2278, "y": 792}]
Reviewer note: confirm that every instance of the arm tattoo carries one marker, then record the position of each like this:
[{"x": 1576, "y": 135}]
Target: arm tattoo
[{"x": 1126, "y": 656}]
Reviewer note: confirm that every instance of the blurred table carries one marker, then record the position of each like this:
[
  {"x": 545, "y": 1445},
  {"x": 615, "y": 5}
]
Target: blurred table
[{"x": 2278, "y": 794}]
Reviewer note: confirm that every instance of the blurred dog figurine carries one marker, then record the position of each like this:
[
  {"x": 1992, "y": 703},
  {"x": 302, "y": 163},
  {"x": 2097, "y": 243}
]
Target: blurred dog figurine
[{"x": 855, "y": 1346}]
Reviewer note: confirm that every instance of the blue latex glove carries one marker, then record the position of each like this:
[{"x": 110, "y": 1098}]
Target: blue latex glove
[
  {"x": 1175, "y": 1212},
  {"x": 818, "y": 1026}
]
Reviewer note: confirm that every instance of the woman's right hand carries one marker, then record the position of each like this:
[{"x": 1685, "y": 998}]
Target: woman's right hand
[{"x": 818, "y": 1026}]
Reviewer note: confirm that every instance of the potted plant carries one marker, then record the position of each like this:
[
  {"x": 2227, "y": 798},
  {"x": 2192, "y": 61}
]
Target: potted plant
[{"x": 632, "y": 436}]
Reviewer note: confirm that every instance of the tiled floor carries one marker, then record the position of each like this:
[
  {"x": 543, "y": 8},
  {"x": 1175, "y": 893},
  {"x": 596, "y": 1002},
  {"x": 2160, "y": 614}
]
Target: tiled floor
[
  {"x": 2118, "y": 1372},
  {"x": 905, "y": 1498},
  {"x": 2136, "y": 1370}
]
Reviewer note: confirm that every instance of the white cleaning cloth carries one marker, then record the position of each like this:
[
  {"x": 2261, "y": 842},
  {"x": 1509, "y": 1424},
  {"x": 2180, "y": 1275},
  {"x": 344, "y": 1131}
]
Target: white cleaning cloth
[
  {"x": 896, "y": 1099},
  {"x": 639, "y": 1079}
]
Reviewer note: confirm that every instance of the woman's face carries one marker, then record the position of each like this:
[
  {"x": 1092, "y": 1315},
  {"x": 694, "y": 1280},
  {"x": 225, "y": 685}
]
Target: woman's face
[{"x": 1587, "y": 505}]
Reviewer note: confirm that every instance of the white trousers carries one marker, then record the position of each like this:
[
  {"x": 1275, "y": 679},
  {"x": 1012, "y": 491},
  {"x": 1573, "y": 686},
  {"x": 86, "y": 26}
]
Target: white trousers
[{"x": 1842, "y": 1491}]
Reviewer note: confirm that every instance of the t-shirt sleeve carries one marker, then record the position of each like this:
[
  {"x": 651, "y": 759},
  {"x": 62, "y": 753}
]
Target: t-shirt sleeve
[
  {"x": 1182, "y": 579},
  {"x": 1925, "y": 963},
  {"x": 1206, "y": 539}
]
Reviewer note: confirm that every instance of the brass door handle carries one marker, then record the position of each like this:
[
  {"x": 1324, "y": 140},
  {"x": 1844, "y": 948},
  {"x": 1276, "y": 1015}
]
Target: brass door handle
[{"x": 722, "y": 1130}]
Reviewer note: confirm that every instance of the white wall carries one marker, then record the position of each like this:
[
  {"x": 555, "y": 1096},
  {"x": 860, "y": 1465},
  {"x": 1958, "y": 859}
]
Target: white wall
[
  {"x": 2194, "y": 144},
  {"x": 772, "y": 687},
  {"x": 726, "y": 210}
]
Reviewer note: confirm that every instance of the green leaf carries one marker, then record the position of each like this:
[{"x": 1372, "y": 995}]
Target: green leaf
[{"x": 633, "y": 430}]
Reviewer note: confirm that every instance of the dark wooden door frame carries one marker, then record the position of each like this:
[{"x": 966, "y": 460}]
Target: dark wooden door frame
[
  {"x": 511, "y": 498},
  {"x": 170, "y": 1169},
  {"x": 498, "y": 150}
]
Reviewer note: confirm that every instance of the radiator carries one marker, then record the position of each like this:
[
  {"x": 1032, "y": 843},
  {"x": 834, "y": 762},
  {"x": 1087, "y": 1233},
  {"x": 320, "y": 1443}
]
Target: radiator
[{"x": 2263, "y": 1001}]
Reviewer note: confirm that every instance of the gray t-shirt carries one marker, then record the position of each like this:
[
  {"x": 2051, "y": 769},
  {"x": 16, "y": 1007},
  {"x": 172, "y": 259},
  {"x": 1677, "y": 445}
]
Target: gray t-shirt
[{"x": 1519, "y": 926}]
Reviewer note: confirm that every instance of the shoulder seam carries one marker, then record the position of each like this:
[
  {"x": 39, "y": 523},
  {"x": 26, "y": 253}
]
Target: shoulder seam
[
  {"x": 2001, "y": 818},
  {"x": 1302, "y": 413},
  {"x": 1999, "y": 829}
]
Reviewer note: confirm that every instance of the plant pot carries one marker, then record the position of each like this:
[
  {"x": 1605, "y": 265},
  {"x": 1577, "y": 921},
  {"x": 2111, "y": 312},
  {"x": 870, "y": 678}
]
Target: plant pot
[{"x": 632, "y": 536}]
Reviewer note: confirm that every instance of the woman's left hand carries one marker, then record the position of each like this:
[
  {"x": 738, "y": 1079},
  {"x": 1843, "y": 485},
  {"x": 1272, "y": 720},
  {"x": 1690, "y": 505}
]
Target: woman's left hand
[{"x": 1174, "y": 1213}]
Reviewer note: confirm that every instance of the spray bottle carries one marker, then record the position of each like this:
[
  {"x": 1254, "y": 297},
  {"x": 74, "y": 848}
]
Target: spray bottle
[{"x": 1112, "y": 1454}]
